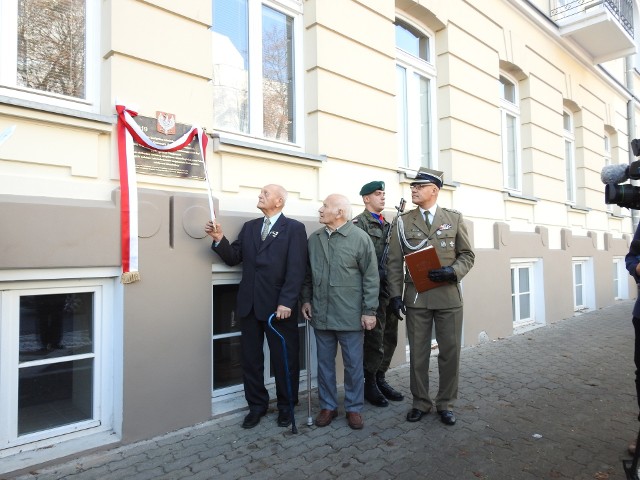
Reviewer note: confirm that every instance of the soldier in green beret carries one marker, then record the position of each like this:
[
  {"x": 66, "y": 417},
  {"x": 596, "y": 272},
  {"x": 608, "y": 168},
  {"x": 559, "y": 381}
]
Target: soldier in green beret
[{"x": 379, "y": 343}]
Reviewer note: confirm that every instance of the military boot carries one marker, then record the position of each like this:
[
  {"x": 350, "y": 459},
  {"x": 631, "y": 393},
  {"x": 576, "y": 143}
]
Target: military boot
[
  {"x": 386, "y": 389},
  {"x": 371, "y": 392}
]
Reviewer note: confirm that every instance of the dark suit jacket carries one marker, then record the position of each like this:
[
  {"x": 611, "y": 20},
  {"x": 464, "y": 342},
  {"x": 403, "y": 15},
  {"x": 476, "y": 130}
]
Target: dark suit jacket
[
  {"x": 272, "y": 270},
  {"x": 631, "y": 261}
]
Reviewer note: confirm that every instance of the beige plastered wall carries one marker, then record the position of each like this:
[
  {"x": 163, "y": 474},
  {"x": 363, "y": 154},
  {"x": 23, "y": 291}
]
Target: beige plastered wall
[{"x": 59, "y": 194}]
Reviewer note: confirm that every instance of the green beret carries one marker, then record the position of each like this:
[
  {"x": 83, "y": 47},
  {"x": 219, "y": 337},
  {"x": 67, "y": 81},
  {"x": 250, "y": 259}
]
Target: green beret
[{"x": 372, "y": 187}]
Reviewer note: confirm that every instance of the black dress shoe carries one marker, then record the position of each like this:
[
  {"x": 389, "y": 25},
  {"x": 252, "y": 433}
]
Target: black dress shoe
[
  {"x": 447, "y": 417},
  {"x": 252, "y": 419},
  {"x": 387, "y": 390},
  {"x": 284, "y": 418},
  {"x": 415, "y": 415},
  {"x": 372, "y": 394}
]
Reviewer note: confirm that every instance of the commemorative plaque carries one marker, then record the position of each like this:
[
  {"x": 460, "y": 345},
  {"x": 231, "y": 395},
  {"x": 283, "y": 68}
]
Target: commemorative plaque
[{"x": 163, "y": 130}]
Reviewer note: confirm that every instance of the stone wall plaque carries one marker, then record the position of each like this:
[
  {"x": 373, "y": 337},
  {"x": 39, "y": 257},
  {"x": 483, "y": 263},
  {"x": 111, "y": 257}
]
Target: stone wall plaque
[{"x": 162, "y": 130}]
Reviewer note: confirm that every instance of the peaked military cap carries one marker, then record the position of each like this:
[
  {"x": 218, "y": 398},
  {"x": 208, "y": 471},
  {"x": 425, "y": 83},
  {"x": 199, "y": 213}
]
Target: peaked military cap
[
  {"x": 372, "y": 187},
  {"x": 426, "y": 175}
]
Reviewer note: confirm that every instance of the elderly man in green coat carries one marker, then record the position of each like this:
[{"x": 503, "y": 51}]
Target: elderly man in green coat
[{"x": 340, "y": 298}]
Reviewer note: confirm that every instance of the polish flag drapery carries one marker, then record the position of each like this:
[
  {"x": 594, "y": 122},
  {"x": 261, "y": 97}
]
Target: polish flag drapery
[{"x": 128, "y": 131}]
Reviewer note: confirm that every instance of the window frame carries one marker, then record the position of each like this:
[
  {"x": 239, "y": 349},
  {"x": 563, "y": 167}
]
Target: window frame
[
  {"x": 587, "y": 286},
  {"x": 8, "y": 64},
  {"x": 409, "y": 140},
  {"x": 537, "y": 315},
  {"x": 620, "y": 277},
  {"x": 105, "y": 393},
  {"x": 236, "y": 389},
  {"x": 607, "y": 159},
  {"x": 510, "y": 109},
  {"x": 516, "y": 294},
  {"x": 569, "y": 156},
  {"x": 293, "y": 9}
]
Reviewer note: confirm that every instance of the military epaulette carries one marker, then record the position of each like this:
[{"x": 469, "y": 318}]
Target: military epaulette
[
  {"x": 355, "y": 220},
  {"x": 452, "y": 210}
]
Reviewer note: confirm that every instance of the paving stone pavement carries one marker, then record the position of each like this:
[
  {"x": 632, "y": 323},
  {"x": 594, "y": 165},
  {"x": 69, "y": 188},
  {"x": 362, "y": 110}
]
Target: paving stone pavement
[{"x": 557, "y": 402}]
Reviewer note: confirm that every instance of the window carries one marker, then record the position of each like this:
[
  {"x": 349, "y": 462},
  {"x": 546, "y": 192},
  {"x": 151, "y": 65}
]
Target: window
[
  {"x": 569, "y": 156},
  {"x": 527, "y": 294},
  {"x": 257, "y": 69},
  {"x": 55, "y": 372},
  {"x": 578, "y": 286},
  {"x": 415, "y": 74},
  {"x": 49, "y": 51},
  {"x": 620, "y": 279},
  {"x": 510, "y": 134},
  {"x": 227, "y": 359},
  {"x": 522, "y": 309},
  {"x": 607, "y": 159},
  {"x": 583, "y": 284}
]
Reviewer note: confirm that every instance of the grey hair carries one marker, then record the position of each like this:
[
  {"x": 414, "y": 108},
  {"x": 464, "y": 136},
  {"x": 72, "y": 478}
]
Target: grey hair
[
  {"x": 282, "y": 192},
  {"x": 343, "y": 203}
]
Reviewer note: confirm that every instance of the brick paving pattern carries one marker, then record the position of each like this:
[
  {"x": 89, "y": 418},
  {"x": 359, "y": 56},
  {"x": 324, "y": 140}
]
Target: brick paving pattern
[{"x": 557, "y": 402}]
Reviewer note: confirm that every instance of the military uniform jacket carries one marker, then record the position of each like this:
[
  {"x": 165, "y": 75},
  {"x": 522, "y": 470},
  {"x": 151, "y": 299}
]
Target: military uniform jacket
[
  {"x": 374, "y": 229},
  {"x": 448, "y": 234}
]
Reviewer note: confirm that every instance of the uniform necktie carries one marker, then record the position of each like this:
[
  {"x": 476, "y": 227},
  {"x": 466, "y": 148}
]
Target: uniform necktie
[
  {"x": 265, "y": 228},
  {"x": 426, "y": 219}
]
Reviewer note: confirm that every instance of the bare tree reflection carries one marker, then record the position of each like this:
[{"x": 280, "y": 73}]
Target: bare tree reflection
[
  {"x": 277, "y": 83},
  {"x": 51, "y": 46}
]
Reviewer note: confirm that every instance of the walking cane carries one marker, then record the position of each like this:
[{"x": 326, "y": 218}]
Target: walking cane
[
  {"x": 294, "y": 429},
  {"x": 308, "y": 361},
  {"x": 631, "y": 466}
]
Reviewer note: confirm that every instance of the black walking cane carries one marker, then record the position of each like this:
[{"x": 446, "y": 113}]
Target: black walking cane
[{"x": 294, "y": 429}]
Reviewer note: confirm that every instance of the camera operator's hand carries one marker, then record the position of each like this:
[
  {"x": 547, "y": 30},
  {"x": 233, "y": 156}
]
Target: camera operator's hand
[
  {"x": 397, "y": 305},
  {"x": 444, "y": 274}
]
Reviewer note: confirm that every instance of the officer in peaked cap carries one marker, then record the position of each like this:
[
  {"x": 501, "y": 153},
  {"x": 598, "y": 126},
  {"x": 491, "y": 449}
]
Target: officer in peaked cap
[
  {"x": 379, "y": 343},
  {"x": 425, "y": 176},
  {"x": 439, "y": 307}
]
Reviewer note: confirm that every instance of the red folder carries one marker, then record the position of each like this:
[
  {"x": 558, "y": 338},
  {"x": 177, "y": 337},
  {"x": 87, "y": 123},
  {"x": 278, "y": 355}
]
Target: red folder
[{"x": 419, "y": 263}]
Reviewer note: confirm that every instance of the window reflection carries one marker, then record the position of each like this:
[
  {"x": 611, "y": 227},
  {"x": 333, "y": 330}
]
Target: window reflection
[
  {"x": 54, "y": 394},
  {"x": 54, "y": 388},
  {"x": 227, "y": 360},
  {"x": 55, "y": 325}
]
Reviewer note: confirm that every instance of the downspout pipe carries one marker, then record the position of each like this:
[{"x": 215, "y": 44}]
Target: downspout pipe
[{"x": 631, "y": 123}]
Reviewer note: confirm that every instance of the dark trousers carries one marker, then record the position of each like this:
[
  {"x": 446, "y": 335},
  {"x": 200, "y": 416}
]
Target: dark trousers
[
  {"x": 251, "y": 341},
  {"x": 636, "y": 357},
  {"x": 380, "y": 342}
]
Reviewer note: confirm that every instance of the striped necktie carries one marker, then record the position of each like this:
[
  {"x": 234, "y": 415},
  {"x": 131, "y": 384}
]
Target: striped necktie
[
  {"x": 426, "y": 219},
  {"x": 265, "y": 228}
]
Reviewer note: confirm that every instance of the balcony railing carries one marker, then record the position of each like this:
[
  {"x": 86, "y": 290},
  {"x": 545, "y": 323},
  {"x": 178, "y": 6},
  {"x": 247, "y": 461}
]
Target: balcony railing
[{"x": 622, "y": 10}]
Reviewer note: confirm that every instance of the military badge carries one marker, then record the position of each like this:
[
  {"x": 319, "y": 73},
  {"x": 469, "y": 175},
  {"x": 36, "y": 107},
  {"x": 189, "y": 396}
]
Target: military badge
[{"x": 445, "y": 226}]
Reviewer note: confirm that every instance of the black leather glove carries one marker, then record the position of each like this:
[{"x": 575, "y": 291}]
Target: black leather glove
[
  {"x": 444, "y": 274},
  {"x": 397, "y": 305}
]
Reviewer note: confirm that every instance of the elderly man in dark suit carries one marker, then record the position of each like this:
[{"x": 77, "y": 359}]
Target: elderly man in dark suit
[{"x": 273, "y": 252}]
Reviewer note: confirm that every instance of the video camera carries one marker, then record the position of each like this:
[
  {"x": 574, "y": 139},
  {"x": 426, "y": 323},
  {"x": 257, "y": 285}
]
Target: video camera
[{"x": 626, "y": 195}]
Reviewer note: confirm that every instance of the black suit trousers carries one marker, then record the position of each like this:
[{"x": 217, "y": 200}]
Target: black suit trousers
[{"x": 251, "y": 341}]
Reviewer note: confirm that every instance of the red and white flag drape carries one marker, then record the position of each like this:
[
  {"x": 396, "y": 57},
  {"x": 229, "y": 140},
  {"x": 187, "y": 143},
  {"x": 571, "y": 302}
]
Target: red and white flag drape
[{"x": 128, "y": 131}]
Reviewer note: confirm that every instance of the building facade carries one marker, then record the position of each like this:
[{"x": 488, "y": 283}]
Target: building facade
[{"x": 520, "y": 103}]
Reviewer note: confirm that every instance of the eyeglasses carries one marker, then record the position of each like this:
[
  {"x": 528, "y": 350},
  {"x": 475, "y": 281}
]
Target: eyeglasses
[{"x": 419, "y": 186}]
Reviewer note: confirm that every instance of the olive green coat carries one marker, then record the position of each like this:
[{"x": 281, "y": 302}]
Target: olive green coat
[{"x": 342, "y": 280}]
